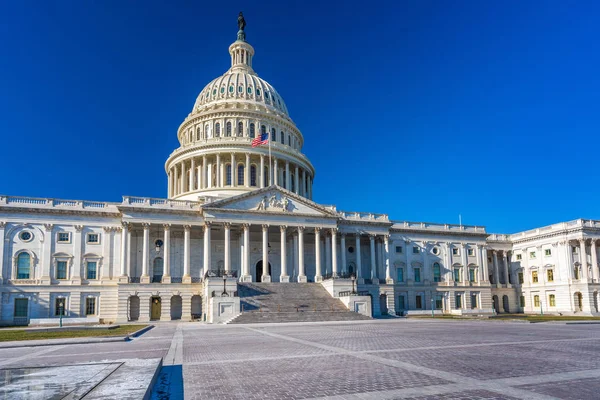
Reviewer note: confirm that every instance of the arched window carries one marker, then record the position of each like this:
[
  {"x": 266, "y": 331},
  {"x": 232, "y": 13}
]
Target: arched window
[
  {"x": 240, "y": 89},
  {"x": 290, "y": 140},
  {"x": 198, "y": 133},
  {"x": 258, "y": 92},
  {"x": 263, "y": 130},
  {"x": 228, "y": 174},
  {"x": 249, "y": 90},
  {"x": 228, "y": 129},
  {"x": 157, "y": 268},
  {"x": 240, "y": 131},
  {"x": 437, "y": 273},
  {"x": 23, "y": 266},
  {"x": 240, "y": 177},
  {"x": 253, "y": 175},
  {"x": 273, "y": 135},
  {"x": 282, "y": 138},
  {"x": 252, "y": 133},
  {"x": 217, "y": 129},
  {"x": 230, "y": 89},
  {"x": 206, "y": 130}
]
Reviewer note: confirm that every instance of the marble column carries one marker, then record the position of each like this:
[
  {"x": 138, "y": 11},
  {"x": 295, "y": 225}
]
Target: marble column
[
  {"x": 386, "y": 258},
  {"x": 227, "y": 255},
  {"x": 247, "y": 277},
  {"x": 218, "y": 172},
  {"x": 505, "y": 261},
  {"x": 247, "y": 171},
  {"x": 373, "y": 264},
  {"x": 145, "y": 254},
  {"x": 327, "y": 253},
  {"x": 284, "y": 277},
  {"x": 301, "y": 273},
  {"x": 265, "y": 254},
  {"x": 275, "y": 174},
  {"x": 343, "y": 251},
  {"x": 207, "y": 248},
  {"x": 186, "y": 254},
  {"x": 182, "y": 178},
  {"x": 583, "y": 260},
  {"x": 192, "y": 175},
  {"x": 334, "y": 266},
  {"x": 495, "y": 266},
  {"x": 287, "y": 175},
  {"x": 465, "y": 263},
  {"x": 233, "y": 171},
  {"x": 318, "y": 272},
  {"x": 358, "y": 260},
  {"x": 166, "y": 278},
  {"x": 203, "y": 174},
  {"x": 594, "y": 261},
  {"x": 485, "y": 263}
]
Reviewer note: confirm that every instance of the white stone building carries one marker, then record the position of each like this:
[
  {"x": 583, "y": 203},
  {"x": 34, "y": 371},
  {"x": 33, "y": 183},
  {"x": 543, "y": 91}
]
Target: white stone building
[{"x": 227, "y": 211}]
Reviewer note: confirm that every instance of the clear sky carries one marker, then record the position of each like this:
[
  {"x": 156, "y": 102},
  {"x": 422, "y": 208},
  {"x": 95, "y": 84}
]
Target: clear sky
[{"x": 423, "y": 110}]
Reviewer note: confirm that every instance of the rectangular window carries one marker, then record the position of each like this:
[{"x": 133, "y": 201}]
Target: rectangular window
[
  {"x": 400, "y": 274},
  {"x": 61, "y": 270},
  {"x": 90, "y": 306},
  {"x": 536, "y": 301},
  {"x": 548, "y": 252},
  {"x": 458, "y": 301},
  {"x": 91, "y": 270},
  {"x": 437, "y": 273},
  {"x": 419, "y": 302},
  {"x": 473, "y": 300},
  {"x": 522, "y": 301},
  {"x": 456, "y": 274},
  {"x": 519, "y": 257},
  {"x": 59, "y": 307},
  {"x": 471, "y": 252},
  {"x": 575, "y": 249},
  {"x": 23, "y": 266},
  {"x": 534, "y": 277},
  {"x": 552, "y": 300},
  {"x": 455, "y": 251},
  {"x": 520, "y": 278},
  {"x": 415, "y": 249},
  {"x": 472, "y": 275},
  {"x": 93, "y": 238},
  {"x": 21, "y": 306},
  {"x": 439, "y": 303},
  {"x": 532, "y": 254},
  {"x": 550, "y": 274},
  {"x": 417, "y": 274},
  {"x": 399, "y": 249},
  {"x": 576, "y": 272},
  {"x": 401, "y": 305},
  {"x": 64, "y": 237}
]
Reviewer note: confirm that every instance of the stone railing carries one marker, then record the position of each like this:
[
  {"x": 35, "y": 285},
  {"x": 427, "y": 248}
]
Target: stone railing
[
  {"x": 428, "y": 226},
  {"x": 160, "y": 203},
  {"x": 562, "y": 226},
  {"x": 498, "y": 237},
  {"x": 361, "y": 216},
  {"x": 59, "y": 204},
  {"x": 24, "y": 281}
]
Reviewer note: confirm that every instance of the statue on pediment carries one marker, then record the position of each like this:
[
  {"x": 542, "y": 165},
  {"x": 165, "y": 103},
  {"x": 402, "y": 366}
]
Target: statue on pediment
[
  {"x": 263, "y": 204},
  {"x": 274, "y": 202}
]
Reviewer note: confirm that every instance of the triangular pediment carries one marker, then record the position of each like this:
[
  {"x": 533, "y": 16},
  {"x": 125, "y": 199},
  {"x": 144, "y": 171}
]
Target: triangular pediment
[{"x": 272, "y": 199}]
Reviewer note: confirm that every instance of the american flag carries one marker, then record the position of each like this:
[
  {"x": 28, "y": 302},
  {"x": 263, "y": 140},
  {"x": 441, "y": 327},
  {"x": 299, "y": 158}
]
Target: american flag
[{"x": 262, "y": 139}]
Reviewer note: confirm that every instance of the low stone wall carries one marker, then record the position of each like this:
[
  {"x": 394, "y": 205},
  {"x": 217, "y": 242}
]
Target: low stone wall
[
  {"x": 66, "y": 321},
  {"x": 223, "y": 309},
  {"x": 359, "y": 304}
]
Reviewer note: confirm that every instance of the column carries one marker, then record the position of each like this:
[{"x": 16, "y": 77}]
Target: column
[
  {"x": 145, "y": 278},
  {"x": 373, "y": 265},
  {"x": 204, "y": 174},
  {"x": 334, "y": 266},
  {"x": 582, "y": 259},
  {"x": 227, "y": 262},
  {"x": 166, "y": 278},
  {"x": 182, "y": 178},
  {"x": 505, "y": 261},
  {"x": 465, "y": 263},
  {"x": 594, "y": 261},
  {"x": 170, "y": 183},
  {"x": 287, "y": 175},
  {"x": 186, "y": 254},
  {"x": 525, "y": 264},
  {"x": 386, "y": 259},
  {"x": 358, "y": 260},
  {"x": 284, "y": 275},
  {"x": 124, "y": 234},
  {"x": 297, "y": 182},
  {"x": 301, "y": 273},
  {"x": 343, "y": 250},
  {"x": 206, "y": 260},
  {"x": 327, "y": 253},
  {"x": 484, "y": 262},
  {"x": 218, "y": 172},
  {"x": 265, "y": 254},
  {"x": 2, "y": 228},
  {"x": 303, "y": 186},
  {"x": 262, "y": 171},
  {"x": 233, "y": 171},
  {"x": 198, "y": 177},
  {"x": 275, "y": 174},
  {"x": 448, "y": 262},
  {"x": 318, "y": 272},
  {"x": 427, "y": 272},
  {"x": 192, "y": 175},
  {"x": 247, "y": 171},
  {"x": 478, "y": 261},
  {"x": 247, "y": 277},
  {"x": 495, "y": 266},
  {"x": 47, "y": 255},
  {"x": 295, "y": 252}
]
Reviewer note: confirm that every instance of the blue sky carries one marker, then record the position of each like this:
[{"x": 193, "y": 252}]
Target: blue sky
[{"x": 423, "y": 110}]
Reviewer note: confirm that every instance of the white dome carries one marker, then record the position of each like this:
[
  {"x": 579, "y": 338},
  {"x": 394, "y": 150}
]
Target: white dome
[{"x": 240, "y": 84}]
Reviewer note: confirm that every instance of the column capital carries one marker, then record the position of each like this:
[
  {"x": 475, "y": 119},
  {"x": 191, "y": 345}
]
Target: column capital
[
  {"x": 300, "y": 229},
  {"x": 386, "y": 238},
  {"x": 582, "y": 240},
  {"x": 334, "y": 231},
  {"x": 494, "y": 252},
  {"x": 78, "y": 228},
  {"x": 106, "y": 229},
  {"x": 227, "y": 225},
  {"x": 125, "y": 225},
  {"x": 317, "y": 230},
  {"x": 167, "y": 227},
  {"x": 2, "y": 224},
  {"x": 245, "y": 226},
  {"x": 146, "y": 225},
  {"x": 372, "y": 236},
  {"x": 265, "y": 227},
  {"x": 342, "y": 234},
  {"x": 187, "y": 228},
  {"x": 49, "y": 227},
  {"x": 283, "y": 228}
]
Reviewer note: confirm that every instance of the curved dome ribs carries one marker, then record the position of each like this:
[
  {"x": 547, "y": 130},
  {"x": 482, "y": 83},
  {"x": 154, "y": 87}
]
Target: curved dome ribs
[{"x": 216, "y": 159}]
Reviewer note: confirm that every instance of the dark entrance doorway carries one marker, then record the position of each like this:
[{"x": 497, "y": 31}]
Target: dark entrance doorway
[
  {"x": 155, "y": 308},
  {"x": 259, "y": 271}
]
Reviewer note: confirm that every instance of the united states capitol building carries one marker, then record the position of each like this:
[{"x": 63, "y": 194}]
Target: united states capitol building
[{"x": 237, "y": 215}]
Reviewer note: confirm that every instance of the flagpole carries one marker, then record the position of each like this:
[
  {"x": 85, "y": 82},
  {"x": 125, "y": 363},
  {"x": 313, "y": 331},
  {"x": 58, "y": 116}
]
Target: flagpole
[{"x": 270, "y": 165}]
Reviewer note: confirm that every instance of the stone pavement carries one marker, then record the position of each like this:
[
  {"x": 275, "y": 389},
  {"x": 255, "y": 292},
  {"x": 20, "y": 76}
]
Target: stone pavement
[{"x": 391, "y": 359}]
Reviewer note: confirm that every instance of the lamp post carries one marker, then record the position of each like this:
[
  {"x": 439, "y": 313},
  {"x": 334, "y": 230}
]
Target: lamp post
[
  {"x": 224, "y": 285},
  {"x": 353, "y": 279},
  {"x": 432, "y": 315},
  {"x": 61, "y": 311}
]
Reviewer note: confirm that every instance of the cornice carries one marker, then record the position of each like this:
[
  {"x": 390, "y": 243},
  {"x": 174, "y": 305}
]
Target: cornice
[
  {"x": 440, "y": 233},
  {"x": 96, "y": 213},
  {"x": 550, "y": 235}
]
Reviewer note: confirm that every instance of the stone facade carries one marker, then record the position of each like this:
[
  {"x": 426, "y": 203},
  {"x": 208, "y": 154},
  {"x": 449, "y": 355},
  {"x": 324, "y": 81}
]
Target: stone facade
[{"x": 234, "y": 208}]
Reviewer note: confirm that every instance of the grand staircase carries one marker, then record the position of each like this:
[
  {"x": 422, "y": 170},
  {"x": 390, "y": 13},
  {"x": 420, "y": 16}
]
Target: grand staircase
[{"x": 290, "y": 302}]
